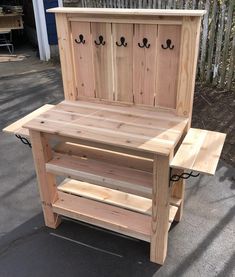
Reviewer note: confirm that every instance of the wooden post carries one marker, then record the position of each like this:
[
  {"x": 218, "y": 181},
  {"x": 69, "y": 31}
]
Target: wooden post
[
  {"x": 187, "y": 66},
  {"x": 178, "y": 192},
  {"x": 66, "y": 57},
  {"x": 160, "y": 209},
  {"x": 46, "y": 181}
]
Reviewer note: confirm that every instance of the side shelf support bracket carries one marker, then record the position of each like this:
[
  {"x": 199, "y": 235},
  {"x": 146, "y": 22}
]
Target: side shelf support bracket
[
  {"x": 184, "y": 175},
  {"x": 24, "y": 140}
]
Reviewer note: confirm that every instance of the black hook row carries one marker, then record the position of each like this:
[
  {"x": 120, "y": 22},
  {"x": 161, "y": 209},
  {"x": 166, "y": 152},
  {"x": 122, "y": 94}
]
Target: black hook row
[
  {"x": 123, "y": 42},
  {"x": 24, "y": 140},
  {"x": 184, "y": 175}
]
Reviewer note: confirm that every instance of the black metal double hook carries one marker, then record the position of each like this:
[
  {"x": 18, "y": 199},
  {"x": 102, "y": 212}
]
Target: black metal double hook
[
  {"x": 81, "y": 39},
  {"x": 101, "y": 41},
  {"x": 145, "y": 43},
  {"x": 122, "y": 42},
  {"x": 168, "y": 45}
]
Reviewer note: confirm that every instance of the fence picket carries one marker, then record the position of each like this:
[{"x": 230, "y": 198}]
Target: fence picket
[
  {"x": 226, "y": 42},
  {"x": 211, "y": 41}
]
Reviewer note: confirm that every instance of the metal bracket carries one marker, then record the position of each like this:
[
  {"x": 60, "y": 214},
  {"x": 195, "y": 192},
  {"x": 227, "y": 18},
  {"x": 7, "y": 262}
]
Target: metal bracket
[
  {"x": 24, "y": 140},
  {"x": 184, "y": 175}
]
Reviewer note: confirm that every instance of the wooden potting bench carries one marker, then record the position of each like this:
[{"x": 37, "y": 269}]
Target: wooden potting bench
[{"x": 122, "y": 136}]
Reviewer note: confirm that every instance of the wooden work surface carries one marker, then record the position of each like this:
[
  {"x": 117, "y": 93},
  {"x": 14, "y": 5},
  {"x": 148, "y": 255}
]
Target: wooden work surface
[{"x": 123, "y": 126}]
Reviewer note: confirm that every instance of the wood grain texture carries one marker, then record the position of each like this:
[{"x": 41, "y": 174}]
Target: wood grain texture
[
  {"x": 178, "y": 193},
  {"x": 66, "y": 57},
  {"x": 160, "y": 209},
  {"x": 187, "y": 66},
  {"x": 167, "y": 66},
  {"x": 102, "y": 58},
  {"x": 101, "y": 173},
  {"x": 200, "y": 151},
  {"x": 144, "y": 12},
  {"x": 144, "y": 64},
  {"x": 123, "y": 62},
  {"x": 131, "y": 128},
  {"x": 46, "y": 181},
  {"x": 108, "y": 156},
  {"x": 103, "y": 215},
  {"x": 114, "y": 197},
  {"x": 83, "y": 60},
  {"x": 17, "y": 126}
]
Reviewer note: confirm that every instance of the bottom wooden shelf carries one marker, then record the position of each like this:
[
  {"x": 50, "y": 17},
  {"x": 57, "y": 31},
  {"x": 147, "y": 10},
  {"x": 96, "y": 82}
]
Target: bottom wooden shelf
[
  {"x": 107, "y": 208},
  {"x": 103, "y": 215}
]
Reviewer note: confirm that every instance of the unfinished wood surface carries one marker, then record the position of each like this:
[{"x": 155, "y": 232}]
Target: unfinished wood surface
[
  {"x": 128, "y": 127},
  {"x": 83, "y": 61},
  {"x": 144, "y": 12},
  {"x": 144, "y": 63},
  {"x": 200, "y": 151},
  {"x": 46, "y": 181},
  {"x": 16, "y": 127},
  {"x": 66, "y": 57},
  {"x": 172, "y": 215},
  {"x": 187, "y": 65},
  {"x": 178, "y": 193},
  {"x": 102, "y": 173},
  {"x": 151, "y": 20},
  {"x": 108, "y": 156},
  {"x": 167, "y": 65},
  {"x": 103, "y": 215},
  {"x": 123, "y": 61},
  {"x": 102, "y": 59},
  {"x": 160, "y": 209},
  {"x": 114, "y": 197}
]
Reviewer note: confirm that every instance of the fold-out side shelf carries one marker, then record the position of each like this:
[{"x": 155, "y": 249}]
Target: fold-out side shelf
[
  {"x": 17, "y": 126},
  {"x": 107, "y": 208},
  {"x": 200, "y": 151}
]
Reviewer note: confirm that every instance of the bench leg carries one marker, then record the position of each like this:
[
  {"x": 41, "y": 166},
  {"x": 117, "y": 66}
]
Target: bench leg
[
  {"x": 178, "y": 192},
  {"x": 46, "y": 182},
  {"x": 160, "y": 209}
]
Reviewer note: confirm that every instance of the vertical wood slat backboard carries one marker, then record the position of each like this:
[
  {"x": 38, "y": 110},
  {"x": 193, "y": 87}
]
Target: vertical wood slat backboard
[
  {"x": 167, "y": 65},
  {"x": 144, "y": 64},
  {"x": 123, "y": 59},
  {"x": 83, "y": 62},
  {"x": 102, "y": 62},
  {"x": 145, "y": 70}
]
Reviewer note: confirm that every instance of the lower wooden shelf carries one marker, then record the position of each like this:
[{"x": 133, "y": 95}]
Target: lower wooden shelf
[
  {"x": 102, "y": 173},
  {"x": 111, "y": 209},
  {"x": 103, "y": 215}
]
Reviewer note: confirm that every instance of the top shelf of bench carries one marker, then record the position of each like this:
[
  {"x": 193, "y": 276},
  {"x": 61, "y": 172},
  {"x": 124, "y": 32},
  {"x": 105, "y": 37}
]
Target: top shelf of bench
[
  {"x": 134, "y": 12},
  {"x": 129, "y": 127}
]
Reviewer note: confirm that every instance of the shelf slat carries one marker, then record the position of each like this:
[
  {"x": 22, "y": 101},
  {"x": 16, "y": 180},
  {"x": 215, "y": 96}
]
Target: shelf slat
[
  {"x": 104, "y": 155},
  {"x": 103, "y": 215},
  {"x": 101, "y": 173},
  {"x": 114, "y": 197}
]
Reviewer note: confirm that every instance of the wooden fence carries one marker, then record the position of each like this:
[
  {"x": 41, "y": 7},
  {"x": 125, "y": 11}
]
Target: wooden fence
[{"x": 216, "y": 63}]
